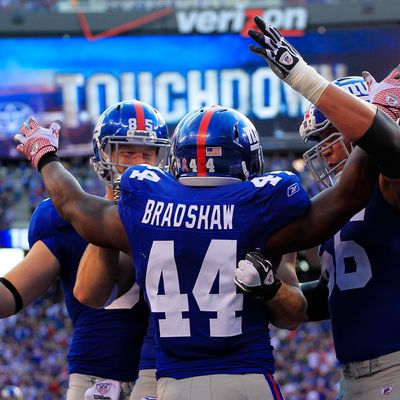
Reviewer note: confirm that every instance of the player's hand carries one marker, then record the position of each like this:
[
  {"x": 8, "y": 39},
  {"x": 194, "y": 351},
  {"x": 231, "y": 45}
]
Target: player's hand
[
  {"x": 255, "y": 276},
  {"x": 279, "y": 53},
  {"x": 386, "y": 94},
  {"x": 117, "y": 188},
  {"x": 286, "y": 61},
  {"x": 35, "y": 141}
]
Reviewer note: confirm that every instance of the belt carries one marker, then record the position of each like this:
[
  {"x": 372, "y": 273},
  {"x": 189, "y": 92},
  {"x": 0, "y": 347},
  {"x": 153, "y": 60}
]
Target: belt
[{"x": 359, "y": 369}]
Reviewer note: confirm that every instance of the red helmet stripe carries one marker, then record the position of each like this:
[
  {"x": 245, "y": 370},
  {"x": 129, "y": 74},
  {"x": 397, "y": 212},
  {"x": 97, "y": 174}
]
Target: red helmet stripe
[
  {"x": 141, "y": 125},
  {"x": 201, "y": 141}
]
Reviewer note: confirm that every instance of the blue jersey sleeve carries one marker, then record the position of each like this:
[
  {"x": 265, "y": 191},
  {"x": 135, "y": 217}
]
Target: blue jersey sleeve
[
  {"x": 287, "y": 202},
  {"x": 48, "y": 226}
]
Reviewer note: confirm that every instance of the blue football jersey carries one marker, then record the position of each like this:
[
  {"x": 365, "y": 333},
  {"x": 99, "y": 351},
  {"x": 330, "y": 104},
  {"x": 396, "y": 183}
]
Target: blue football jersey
[
  {"x": 186, "y": 244},
  {"x": 105, "y": 342},
  {"x": 363, "y": 266}
]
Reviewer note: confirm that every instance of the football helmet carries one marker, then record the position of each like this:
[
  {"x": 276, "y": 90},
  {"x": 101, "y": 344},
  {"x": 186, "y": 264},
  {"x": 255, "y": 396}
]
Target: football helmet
[
  {"x": 215, "y": 146},
  {"x": 317, "y": 127},
  {"x": 11, "y": 392},
  {"x": 127, "y": 122}
]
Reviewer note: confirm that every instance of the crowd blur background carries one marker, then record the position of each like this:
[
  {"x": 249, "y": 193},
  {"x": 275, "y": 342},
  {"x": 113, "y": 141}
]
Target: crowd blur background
[{"x": 70, "y": 59}]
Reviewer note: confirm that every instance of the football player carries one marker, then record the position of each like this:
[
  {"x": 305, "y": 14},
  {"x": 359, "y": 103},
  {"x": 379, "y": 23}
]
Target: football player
[
  {"x": 105, "y": 349},
  {"x": 211, "y": 341},
  {"x": 360, "y": 262},
  {"x": 186, "y": 233}
]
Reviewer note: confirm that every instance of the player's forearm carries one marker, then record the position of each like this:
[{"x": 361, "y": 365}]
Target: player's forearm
[
  {"x": 349, "y": 114},
  {"x": 7, "y": 302},
  {"x": 82, "y": 210},
  {"x": 288, "y": 308},
  {"x": 96, "y": 276},
  {"x": 63, "y": 189}
]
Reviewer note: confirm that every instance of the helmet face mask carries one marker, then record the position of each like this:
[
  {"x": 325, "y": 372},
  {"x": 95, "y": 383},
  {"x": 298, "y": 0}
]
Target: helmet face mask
[
  {"x": 327, "y": 176},
  {"x": 316, "y": 125},
  {"x": 128, "y": 123},
  {"x": 215, "y": 146}
]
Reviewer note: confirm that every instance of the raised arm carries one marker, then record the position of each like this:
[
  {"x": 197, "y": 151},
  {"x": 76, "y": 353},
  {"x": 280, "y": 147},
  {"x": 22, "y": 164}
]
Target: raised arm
[
  {"x": 95, "y": 219},
  {"x": 357, "y": 120}
]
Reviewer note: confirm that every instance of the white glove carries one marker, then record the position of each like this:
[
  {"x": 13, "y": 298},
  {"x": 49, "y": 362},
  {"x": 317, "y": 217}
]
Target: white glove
[
  {"x": 35, "y": 141},
  {"x": 386, "y": 94},
  {"x": 254, "y": 275}
]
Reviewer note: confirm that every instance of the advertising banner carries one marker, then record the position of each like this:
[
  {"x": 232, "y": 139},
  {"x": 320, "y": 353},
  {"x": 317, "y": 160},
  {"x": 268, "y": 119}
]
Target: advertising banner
[{"x": 74, "y": 79}]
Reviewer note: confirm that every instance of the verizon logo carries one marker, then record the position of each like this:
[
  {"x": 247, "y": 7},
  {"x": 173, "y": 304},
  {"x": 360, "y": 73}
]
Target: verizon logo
[{"x": 291, "y": 21}]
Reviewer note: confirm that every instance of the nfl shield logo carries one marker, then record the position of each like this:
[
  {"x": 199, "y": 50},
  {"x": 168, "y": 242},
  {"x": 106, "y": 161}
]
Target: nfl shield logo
[{"x": 103, "y": 388}]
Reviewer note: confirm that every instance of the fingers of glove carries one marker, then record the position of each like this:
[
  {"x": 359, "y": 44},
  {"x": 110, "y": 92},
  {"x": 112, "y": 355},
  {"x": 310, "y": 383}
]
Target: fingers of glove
[
  {"x": 20, "y": 138},
  {"x": 268, "y": 29},
  {"x": 25, "y": 130},
  {"x": 257, "y": 50},
  {"x": 368, "y": 79},
  {"x": 275, "y": 34},
  {"x": 247, "y": 277},
  {"x": 33, "y": 125},
  {"x": 21, "y": 149},
  {"x": 254, "y": 257},
  {"x": 55, "y": 127},
  {"x": 261, "y": 24},
  {"x": 245, "y": 265},
  {"x": 262, "y": 40},
  {"x": 394, "y": 76}
]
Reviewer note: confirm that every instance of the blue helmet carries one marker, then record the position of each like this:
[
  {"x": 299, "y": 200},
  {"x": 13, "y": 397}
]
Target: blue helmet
[
  {"x": 215, "y": 146},
  {"x": 127, "y": 122},
  {"x": 315, "y": 121},
  {"x": 11, "y": 392}
]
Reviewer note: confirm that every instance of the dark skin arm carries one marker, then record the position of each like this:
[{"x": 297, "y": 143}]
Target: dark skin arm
[
  {"x": 330, "y": 209},
  {"x": 96, "y": 219}
]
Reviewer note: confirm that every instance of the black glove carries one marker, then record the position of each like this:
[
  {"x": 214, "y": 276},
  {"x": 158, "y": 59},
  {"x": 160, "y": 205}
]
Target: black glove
[
  {"x": 117, "y": 188},
  {"x": 279, "y": 53},
  {"x": 255, "y": 276}
]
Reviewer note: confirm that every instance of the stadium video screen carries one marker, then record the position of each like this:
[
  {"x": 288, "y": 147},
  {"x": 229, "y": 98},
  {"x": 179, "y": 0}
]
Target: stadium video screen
[{"x": 74, "y": 80}]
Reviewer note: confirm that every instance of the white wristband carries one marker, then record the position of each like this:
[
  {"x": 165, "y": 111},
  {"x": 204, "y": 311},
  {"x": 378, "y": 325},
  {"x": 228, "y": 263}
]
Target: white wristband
[{"x": 307, "y": 81}]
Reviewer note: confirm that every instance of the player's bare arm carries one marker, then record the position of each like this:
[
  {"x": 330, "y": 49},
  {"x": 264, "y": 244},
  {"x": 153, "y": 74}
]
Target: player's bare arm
[
  {"x": 103, "y": 275},
  {"x": 287, "y": 308},
  {"x": 357, "y": 120},
  {"x": 280, "y": 291},
  {"x": 93, "y": 217},
  {"x": 30, "y": 279}
]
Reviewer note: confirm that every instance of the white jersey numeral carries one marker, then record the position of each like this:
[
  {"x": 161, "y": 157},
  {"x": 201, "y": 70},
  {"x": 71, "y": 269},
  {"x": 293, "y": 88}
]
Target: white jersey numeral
[
  {"x": 145, "y": 174},
  {"x": 162, "y": 265},
  {"x": 347, "y": 251},
  {"x": 219, "y": 263}
]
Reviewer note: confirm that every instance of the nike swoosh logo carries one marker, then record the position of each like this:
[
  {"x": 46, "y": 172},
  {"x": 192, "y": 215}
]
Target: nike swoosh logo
[{"x": 120, "y": 28}]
